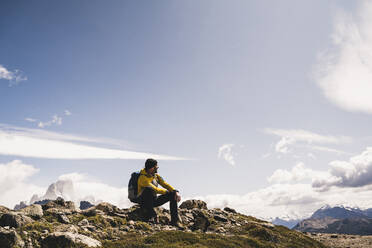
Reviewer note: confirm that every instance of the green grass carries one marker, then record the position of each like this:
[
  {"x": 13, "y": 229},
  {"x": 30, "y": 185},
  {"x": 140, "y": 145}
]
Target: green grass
[{"x": 178, "y": 239}]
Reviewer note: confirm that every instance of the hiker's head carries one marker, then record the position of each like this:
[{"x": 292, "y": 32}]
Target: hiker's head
[{"x": 151, "y": 166}]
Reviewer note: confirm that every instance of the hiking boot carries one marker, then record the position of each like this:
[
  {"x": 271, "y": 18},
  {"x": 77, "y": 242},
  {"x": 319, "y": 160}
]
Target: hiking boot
[{"x": 177, "y": 224}]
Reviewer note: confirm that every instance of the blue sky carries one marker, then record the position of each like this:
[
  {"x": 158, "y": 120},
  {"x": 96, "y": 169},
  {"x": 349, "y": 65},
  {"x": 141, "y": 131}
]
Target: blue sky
[{"x": 245, "y": 96}]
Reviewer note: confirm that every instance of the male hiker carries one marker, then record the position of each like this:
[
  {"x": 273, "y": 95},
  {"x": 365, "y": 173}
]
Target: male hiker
[{"x": 148, "y": 190}]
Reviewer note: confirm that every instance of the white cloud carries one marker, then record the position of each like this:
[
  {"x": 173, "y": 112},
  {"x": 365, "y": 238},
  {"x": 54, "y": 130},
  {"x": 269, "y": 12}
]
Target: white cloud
[
  {"x": 13, "y": 182},
  {"x": 283, "y": 145},
  {"x": 78, "y": 187},
  {"x": 30, "y": 120},
  {"x": 225, "y": 152},
  {"x": 307, "y": 136},
  {"x": 296, "y": 137},
  {"x": 327, "y": 149},
  {"x": 56, "y": 120},
  {"x": 356, "y": 172},
  {"x": 298, "y": 173},
  {"x": 294, "y": 201},
  {"x": 344, "y": 73},
  {"x": 14, "y": 77},
  {"x": 38, "y": 144},
  {"x": 310, "y": 155},
  {"x": 67, "y": 112}
]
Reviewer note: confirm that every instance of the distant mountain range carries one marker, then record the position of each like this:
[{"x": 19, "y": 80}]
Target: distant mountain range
[{"x": 338, "y": 219}]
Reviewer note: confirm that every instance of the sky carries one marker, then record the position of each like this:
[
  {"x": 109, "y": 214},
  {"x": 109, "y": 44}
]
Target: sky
[{"x": 262, "y": 106}]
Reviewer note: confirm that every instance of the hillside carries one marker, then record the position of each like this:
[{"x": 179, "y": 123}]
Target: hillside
[{"x": 59, "y": 224}]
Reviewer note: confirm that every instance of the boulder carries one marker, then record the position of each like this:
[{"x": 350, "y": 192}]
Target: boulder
[
  {"x": 230, "y": 210},
  {"x": 67, "y": 240},
  {"x": 90, "y": 212},
  {"x": 63, "y": 219},
  {"x": 60, "y": 203},
  {"x": 190, "y": 204},
  {"x": 107, "y": 208},
  {"x": 14, "y": 220},
  {"x": 9, "y": 239},
  {"x": 201, "y": 221},
  {"x": 220, "y": 217},
  {"x": 34, "y": 211}
]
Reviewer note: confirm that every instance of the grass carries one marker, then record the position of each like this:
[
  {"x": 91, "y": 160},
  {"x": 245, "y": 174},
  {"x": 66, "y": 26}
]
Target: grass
[{"x": 178, "y": 239}]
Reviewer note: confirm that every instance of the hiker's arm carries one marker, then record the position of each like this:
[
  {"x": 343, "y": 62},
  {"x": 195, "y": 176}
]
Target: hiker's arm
[
  {"x": 165, "y": 184},
  {"x": 145, "y": 183}
]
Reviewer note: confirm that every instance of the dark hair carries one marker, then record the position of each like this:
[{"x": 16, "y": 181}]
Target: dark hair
[{"x": 150, "y": 163}]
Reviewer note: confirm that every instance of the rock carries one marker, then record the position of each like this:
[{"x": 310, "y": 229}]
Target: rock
[
  {"x": 201, "y": 221},
  {"x": 9, "y": 239},
  {"x": 14, "y": 220},
  {"x": 63, "y": 219},
  {"x": 58, "y": 211},
  {"x": 65, "y": 228},
  {"x": 230, "y": 210},
  {"x": 107, "y": 208},
  {"x": 85, "y": 205},
  {"x": 4, "y": 210},
  {"x": 220, "y": 217},
  {"x": 90, "y": 212},
  {"x": 83, "y": 222},
  {"x": 190, "y": 204},
  {"x": 136, "y": 213},
  {"x": 67, "y": 240},
  {"x": 34, "y": 211},
  {"x": 60, "y": 203},
  {"x": 163, "y": 215}
]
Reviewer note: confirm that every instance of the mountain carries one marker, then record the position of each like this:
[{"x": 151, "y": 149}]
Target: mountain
[
  {"x": 290, "y": 223},
  {"x": 338, "y": 219},
  {"x": 60, "y": 224},
  {"x": 338, "y": 212}
]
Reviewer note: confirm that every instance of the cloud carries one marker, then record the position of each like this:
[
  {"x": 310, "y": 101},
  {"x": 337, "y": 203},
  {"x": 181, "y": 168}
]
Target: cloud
[
  {"x": 225, "y": 152},
  {"x": 327, "y": 149},
  {"x": 298, "y": 200},
  {"x": 283, "y": 145},
  {"x": 56, "y": 120},
  {"x": 30, "y": 120},
  {"x": 37, "y": 144},
  {"x": 307, "y": 136},
  {"x": 67, "y": 112},
  {"x": 310, "y": 155},
  {"x": 14, "y": 77},
  {"x": 298, "y": 173},
  {"x": 297, "y": 137},
  {"x": 357, "y": 172},
  {"x": 13, "y": 185},
  {"x": 344, "y": 72},
  {"x": 78, "y": 187}
]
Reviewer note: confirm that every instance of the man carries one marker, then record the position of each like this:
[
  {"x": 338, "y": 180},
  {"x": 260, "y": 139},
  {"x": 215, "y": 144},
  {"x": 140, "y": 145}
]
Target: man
[{"x": 148, "y": 190}]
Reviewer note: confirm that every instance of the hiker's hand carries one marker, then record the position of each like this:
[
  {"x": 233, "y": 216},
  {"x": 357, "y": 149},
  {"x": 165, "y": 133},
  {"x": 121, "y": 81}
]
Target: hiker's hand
[{"x": 177, "y": 197}]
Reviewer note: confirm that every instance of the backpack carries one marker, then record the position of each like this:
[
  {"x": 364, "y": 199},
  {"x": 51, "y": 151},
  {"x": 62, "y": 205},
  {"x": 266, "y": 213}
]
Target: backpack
[{"x": 133, "y": 187}]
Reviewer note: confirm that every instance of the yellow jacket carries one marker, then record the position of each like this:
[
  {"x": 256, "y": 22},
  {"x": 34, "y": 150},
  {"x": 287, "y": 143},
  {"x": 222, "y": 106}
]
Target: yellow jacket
[{"x": 147, "y": 180}]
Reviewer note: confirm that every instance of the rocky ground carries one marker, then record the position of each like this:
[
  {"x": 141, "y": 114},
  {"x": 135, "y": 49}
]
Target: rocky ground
[
  {"x": 59, "y": 224},
  {"x": 342, "y": 240}
]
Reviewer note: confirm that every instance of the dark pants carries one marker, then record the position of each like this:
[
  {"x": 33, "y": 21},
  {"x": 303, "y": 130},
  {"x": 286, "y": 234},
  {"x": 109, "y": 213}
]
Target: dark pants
[{"x": 148, "y": 200}]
